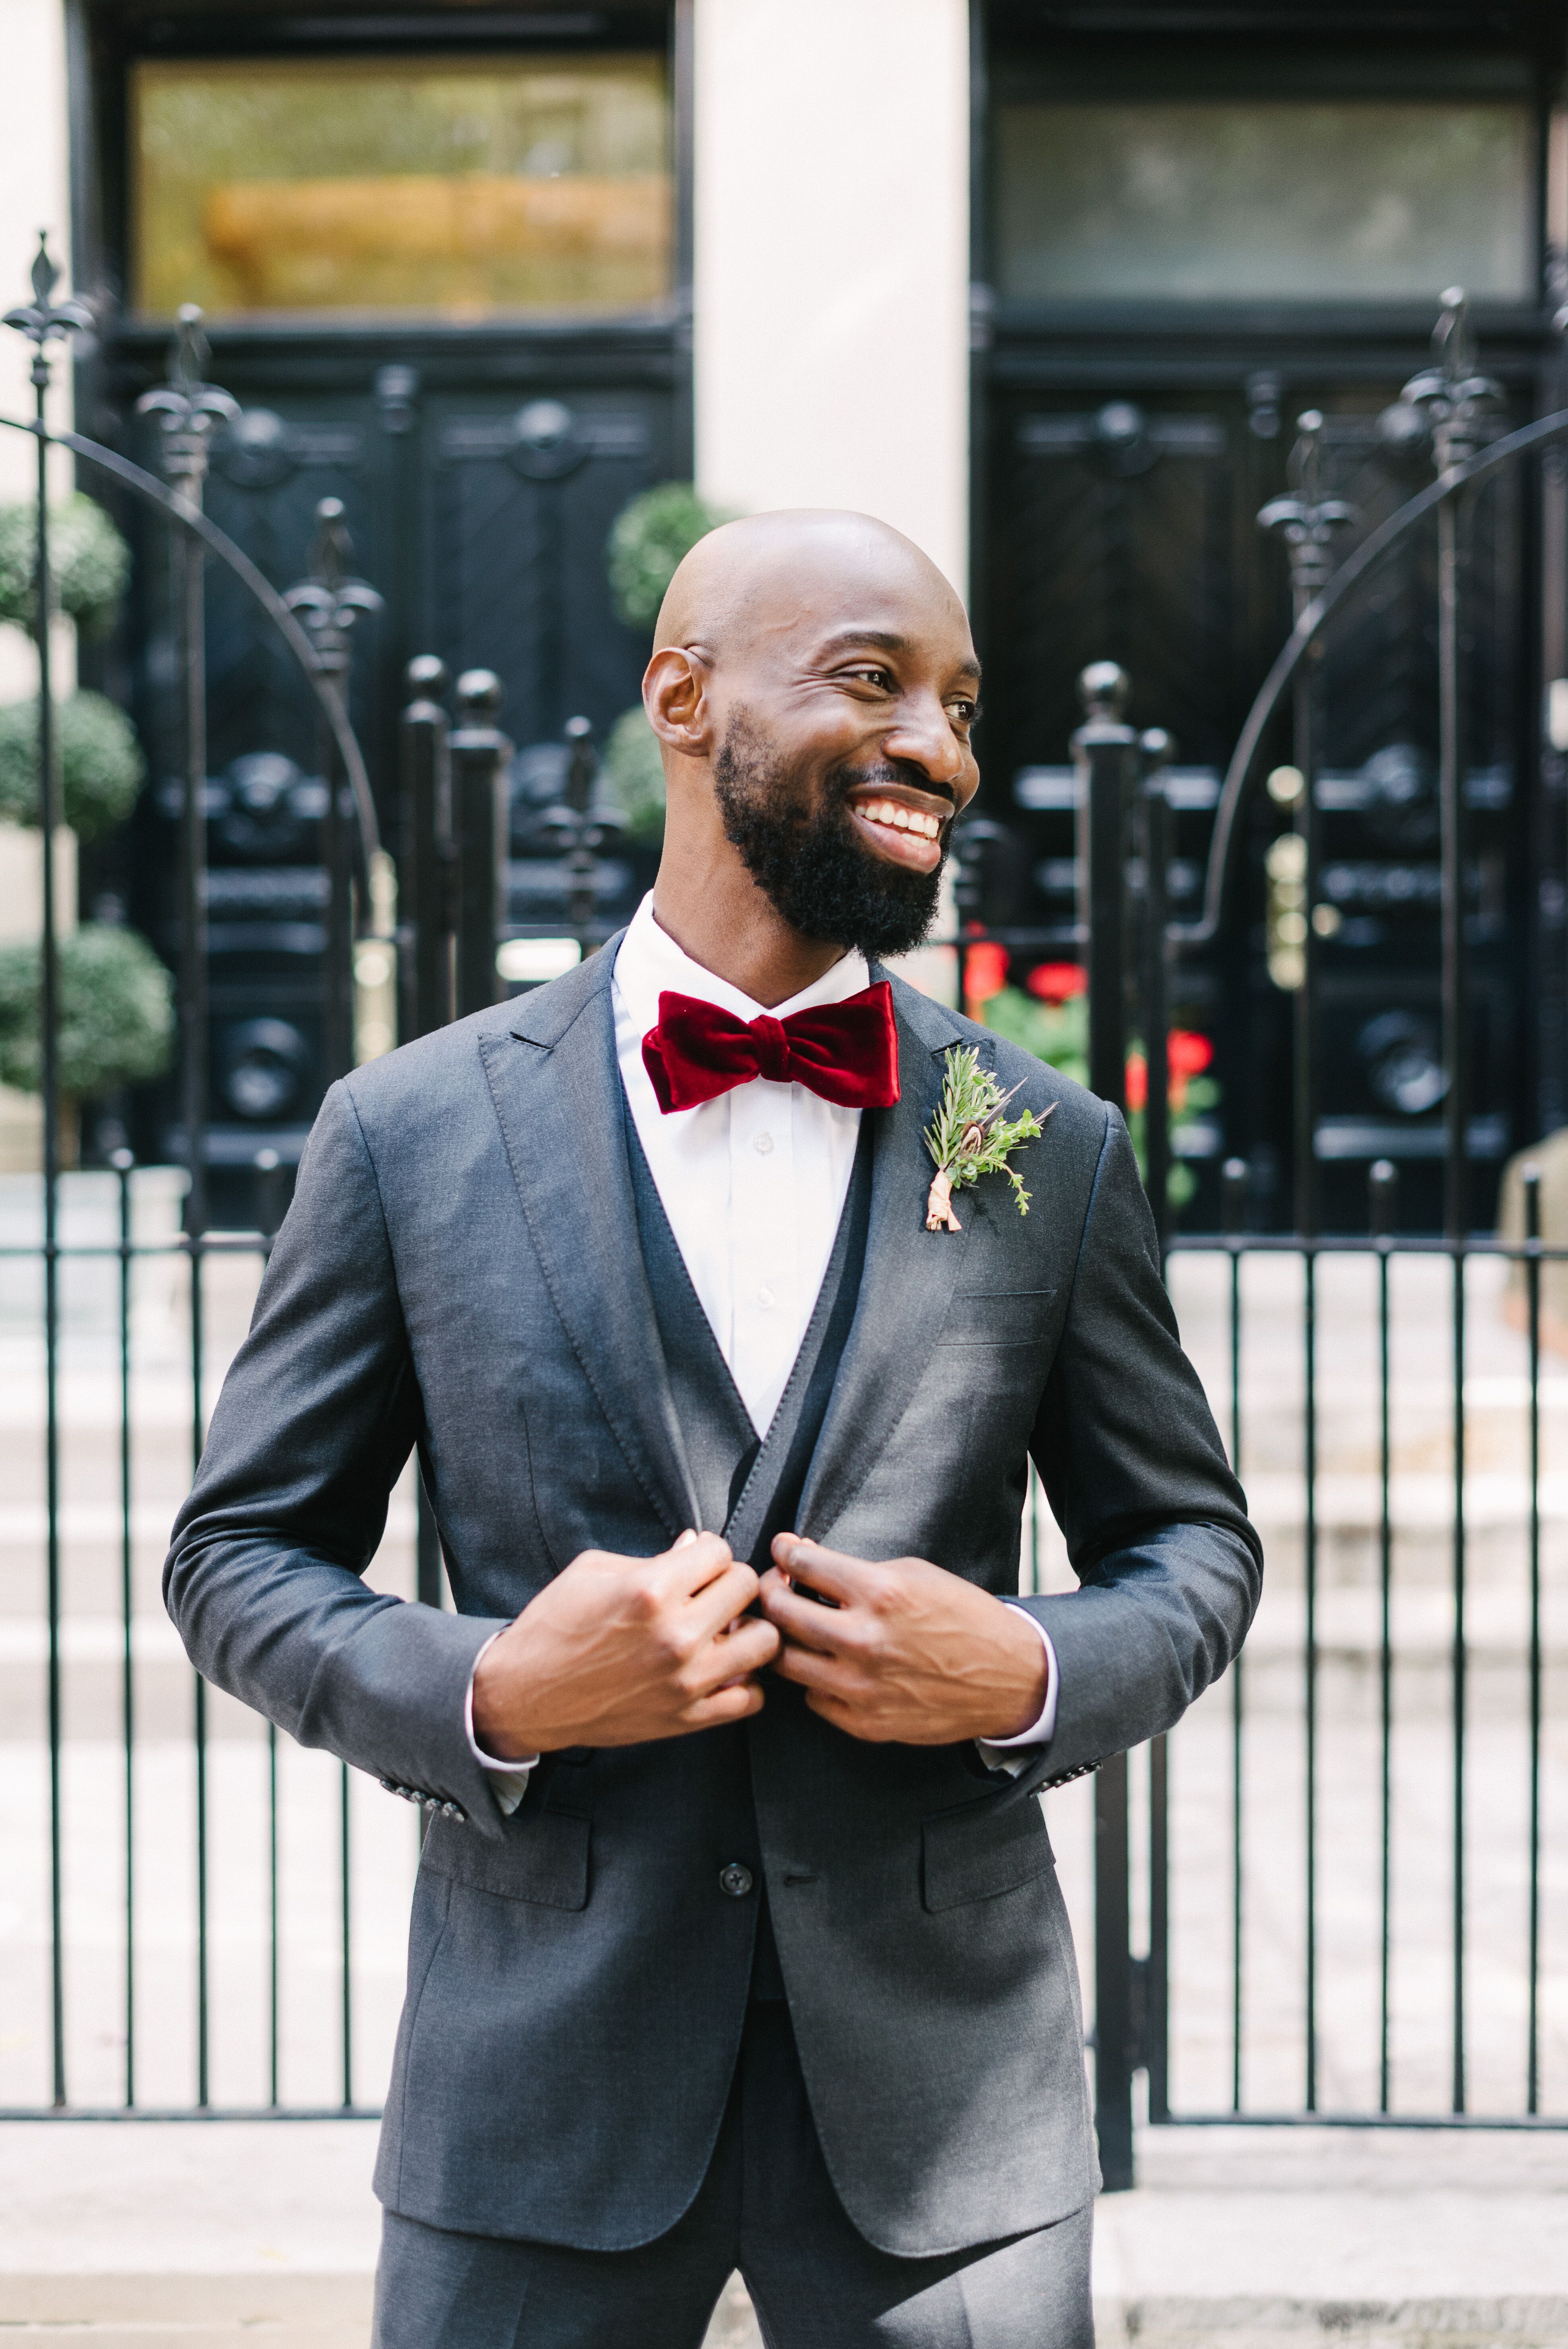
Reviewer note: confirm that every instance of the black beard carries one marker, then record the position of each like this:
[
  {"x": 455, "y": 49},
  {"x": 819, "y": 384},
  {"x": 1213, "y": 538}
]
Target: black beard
[{"x": 815, "y": 872}]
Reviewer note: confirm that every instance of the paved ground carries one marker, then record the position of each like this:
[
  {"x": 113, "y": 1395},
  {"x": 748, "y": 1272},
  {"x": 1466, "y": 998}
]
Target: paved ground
[{"x": 195, "y": 2234}]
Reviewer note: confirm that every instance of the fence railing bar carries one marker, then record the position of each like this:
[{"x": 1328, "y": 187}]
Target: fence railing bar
[
  {"x": 1309, "y": 1574},
  {"x": 198, "y": 1723},
  {"x": 1382, "y": 1185},
  {"x": 273, "y": 1918},
  {"x": 1532, "y": 1299},
  {"x": 1459, "y": 1665},
  {"x": 1157, "y": 1974},
  {"x": 346, "y": 1928},
  {"x": 123, "y": 1162},
  {"x": 1234, "y": 1181}
]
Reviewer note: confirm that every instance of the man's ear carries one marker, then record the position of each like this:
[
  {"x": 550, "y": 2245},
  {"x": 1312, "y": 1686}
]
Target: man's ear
[{"x": 674, "y": 696}]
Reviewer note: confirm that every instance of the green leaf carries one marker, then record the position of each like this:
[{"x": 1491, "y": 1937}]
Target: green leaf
[
  {"x": 635, "y": 771},
  {"x": 89, "y": 562},
  {"x": 116, "y": 1013},
  {"x": 101, "y": 767},
  {"x": 969, "y": 1136},
  {"x": 648, "y": 540}
]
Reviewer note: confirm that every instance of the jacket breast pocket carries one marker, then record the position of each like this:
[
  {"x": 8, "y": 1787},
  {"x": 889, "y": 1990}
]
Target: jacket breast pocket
[
  {"x": 982, "y": 1849},
  {"x": 997, "y": 1317},
  {"x": 543, "y": 1858}
]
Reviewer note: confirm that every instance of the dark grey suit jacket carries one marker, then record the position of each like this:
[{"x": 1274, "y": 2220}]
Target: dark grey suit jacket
[{"x": 461, "y": 1271}]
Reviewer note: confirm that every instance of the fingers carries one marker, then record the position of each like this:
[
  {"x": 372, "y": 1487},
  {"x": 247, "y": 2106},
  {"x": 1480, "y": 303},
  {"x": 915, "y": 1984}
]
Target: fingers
[
  {"x": 827, "y": 1570},
  {"x": 717, "y": 1604},
  {"x": 828, "y": 1676},
  {"x": 802, "y": 1620},
  {"x": 734, "y": 1703},
  {"x": 749, "y": 1649},
  {"x": 696, "y": 1560}
]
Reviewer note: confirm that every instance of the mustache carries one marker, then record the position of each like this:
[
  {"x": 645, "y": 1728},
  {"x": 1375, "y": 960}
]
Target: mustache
[{"x": 883, "y": 772}]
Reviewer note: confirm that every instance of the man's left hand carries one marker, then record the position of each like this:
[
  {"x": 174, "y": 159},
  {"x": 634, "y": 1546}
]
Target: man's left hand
[{"x": 906, "y": 1653}]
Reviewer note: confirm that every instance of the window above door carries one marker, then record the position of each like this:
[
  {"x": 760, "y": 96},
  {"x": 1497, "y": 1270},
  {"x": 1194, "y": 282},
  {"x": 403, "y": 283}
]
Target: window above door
[
  {"x": 450, "y": 188},
  {"x": 1275, "y": 199}
]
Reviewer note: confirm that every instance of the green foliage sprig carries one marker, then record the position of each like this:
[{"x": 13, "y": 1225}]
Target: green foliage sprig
[
  {"x": 970, "y": 1137},
  {"x": 648, "y": 539},
  {"x": 89, "y": 562},
  {"x": 116, "y": 1013},
  {"x": 101, "y": 765},
  {"x": 635, "y": 773}
]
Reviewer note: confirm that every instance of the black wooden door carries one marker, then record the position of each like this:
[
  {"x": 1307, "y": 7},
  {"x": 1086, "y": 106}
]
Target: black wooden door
[
  {"x": 1125, "y": 528},
  {"x": 478, "y": 509}
]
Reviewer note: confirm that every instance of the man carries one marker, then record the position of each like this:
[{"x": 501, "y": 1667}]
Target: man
[{"x": 737, "y": 1940}]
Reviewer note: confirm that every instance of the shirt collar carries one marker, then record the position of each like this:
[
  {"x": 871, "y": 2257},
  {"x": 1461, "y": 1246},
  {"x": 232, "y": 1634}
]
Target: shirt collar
[{"x": 650, "y": 962}]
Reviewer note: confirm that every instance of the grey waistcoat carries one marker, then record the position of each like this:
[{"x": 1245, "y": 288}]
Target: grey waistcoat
[{"x": 748, "y": 1487}]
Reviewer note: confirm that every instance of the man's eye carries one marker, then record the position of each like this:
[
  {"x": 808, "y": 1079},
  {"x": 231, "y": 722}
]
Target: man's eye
[
  {"x": 881, "y": 678},
  {"x": 963, "y": 713}
]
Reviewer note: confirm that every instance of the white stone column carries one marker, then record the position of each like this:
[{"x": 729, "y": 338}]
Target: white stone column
[{"x": 832, "y": 260}]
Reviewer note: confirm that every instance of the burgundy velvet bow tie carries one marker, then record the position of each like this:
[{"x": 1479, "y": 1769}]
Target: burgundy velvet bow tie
[{"x": 847, "y": 1052}]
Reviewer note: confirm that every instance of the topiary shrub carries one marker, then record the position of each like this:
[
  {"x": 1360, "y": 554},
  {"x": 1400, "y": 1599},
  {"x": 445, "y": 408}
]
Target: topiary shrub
[
  {"x": 647, "y": 541},
  {"x": 635, "y": 773},
  {"x": 116, "y": 1013},
  {"x": 101, "y": 765},
  {"x": 89, "y": 562}
]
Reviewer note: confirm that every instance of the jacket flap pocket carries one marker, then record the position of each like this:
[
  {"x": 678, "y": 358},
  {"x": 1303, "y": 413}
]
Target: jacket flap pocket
[
  {"x": 981, "y": 1849},
  {"x": 996, "y": 1316},
  {"x": 544, "y": 1858}
]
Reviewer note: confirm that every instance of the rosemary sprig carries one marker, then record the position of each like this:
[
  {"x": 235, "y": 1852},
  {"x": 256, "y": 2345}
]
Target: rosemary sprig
[{"x": 970, "y": 1137}]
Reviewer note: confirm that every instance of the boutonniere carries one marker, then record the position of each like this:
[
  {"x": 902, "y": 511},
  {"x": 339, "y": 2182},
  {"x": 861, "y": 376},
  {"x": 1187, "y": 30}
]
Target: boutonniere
[{"x": 970, "y": 1137}]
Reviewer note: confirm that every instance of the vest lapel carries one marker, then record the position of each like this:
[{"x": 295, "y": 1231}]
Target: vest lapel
[
  {"x": 557, "y": 1093},
  {"x": 909, "y": 1276}
]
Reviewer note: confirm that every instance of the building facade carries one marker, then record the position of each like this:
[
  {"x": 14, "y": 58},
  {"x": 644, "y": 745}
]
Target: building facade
[{"x": 1044, "y": 286}]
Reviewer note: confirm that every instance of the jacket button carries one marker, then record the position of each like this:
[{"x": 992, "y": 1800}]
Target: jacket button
[{"x": 735, "y": 1880}]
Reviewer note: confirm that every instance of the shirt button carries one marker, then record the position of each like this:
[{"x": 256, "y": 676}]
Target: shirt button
[
  {"x": 735, "y": 1880},
  {"x": 762, "y": 1143},
  {"x": 765, "y": 1297}
]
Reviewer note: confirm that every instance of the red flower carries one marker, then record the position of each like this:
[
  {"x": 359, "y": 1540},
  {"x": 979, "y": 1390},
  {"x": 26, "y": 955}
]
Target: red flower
[
  {"x": 1057, "y": 982},
  {"x": 985, "y": 972},
  {"x": 1189, "y": 1053}
]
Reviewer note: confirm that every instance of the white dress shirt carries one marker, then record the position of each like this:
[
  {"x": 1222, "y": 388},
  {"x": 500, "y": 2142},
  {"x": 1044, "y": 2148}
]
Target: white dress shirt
[{"x": 754, "y": 1185}]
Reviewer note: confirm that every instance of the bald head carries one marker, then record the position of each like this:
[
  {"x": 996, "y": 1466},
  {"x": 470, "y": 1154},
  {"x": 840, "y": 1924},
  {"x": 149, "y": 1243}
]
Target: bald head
[
  {"x": 808, "y": 567},
  {"x": 813, "y": 688}
]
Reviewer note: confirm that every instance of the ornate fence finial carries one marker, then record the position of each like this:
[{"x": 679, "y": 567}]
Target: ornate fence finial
[
  {"x": 186, "y": 408},
  {"x": 1105, "y": 690},
  {"x": 328, "y": 601},
  {"x": 43, "y": 319},
  {"x": 1451, "y": 395},
  {"x": 1305, "y": 518}
]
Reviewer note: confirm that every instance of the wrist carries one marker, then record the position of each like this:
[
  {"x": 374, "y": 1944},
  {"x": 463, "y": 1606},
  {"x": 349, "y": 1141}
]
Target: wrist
[
  {"x": 1024, "y": 1683},
  {"x": 498, "y": 1705}
]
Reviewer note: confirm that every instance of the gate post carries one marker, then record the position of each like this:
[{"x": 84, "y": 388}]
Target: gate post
[
  {"x": 480, "y": 754},
  {"x": 1105, "y": 751}
]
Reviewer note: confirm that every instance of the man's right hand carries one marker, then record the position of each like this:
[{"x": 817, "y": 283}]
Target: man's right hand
[{"x": 617, "y": 1650}]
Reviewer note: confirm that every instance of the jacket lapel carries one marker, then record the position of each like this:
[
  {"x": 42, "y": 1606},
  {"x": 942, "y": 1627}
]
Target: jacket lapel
[
  {"x": 909, "y": 1276},
  {"x": 556, "y": 1086}
]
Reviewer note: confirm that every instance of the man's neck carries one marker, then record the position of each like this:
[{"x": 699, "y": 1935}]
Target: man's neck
[{"x": 724, "y": 921}]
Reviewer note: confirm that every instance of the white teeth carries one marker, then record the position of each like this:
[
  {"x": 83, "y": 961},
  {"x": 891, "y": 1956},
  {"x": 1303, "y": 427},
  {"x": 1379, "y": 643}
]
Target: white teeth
[{"x": 901, "y": 817}]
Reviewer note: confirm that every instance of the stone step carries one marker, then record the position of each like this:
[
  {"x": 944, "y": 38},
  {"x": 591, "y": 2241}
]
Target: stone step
[{"x": 233, "y": 2235}]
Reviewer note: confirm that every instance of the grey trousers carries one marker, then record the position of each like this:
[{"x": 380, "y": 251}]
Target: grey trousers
[{"x": 766, "y": 2206}]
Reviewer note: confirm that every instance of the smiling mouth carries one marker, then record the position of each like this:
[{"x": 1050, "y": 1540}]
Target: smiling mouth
[{"x": 904, "y": 835}]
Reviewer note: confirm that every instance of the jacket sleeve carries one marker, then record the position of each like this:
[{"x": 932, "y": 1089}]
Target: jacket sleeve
[
  {"x": 1170, "y": 1567},
  {"x": 316, "y": 1418}
]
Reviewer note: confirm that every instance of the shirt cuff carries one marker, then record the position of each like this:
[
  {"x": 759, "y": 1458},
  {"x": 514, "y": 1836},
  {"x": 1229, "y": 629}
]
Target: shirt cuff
[
  {"x": 1002, "y": 1753},
  {"x": 509, "y": 1780}
]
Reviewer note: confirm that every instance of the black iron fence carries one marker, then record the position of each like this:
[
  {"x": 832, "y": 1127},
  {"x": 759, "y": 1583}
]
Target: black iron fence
[{"x": 1293, "y": 1898}]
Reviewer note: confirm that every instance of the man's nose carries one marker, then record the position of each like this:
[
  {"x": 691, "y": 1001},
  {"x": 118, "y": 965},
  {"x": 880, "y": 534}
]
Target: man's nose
[{"x": 923, "y": 737}]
